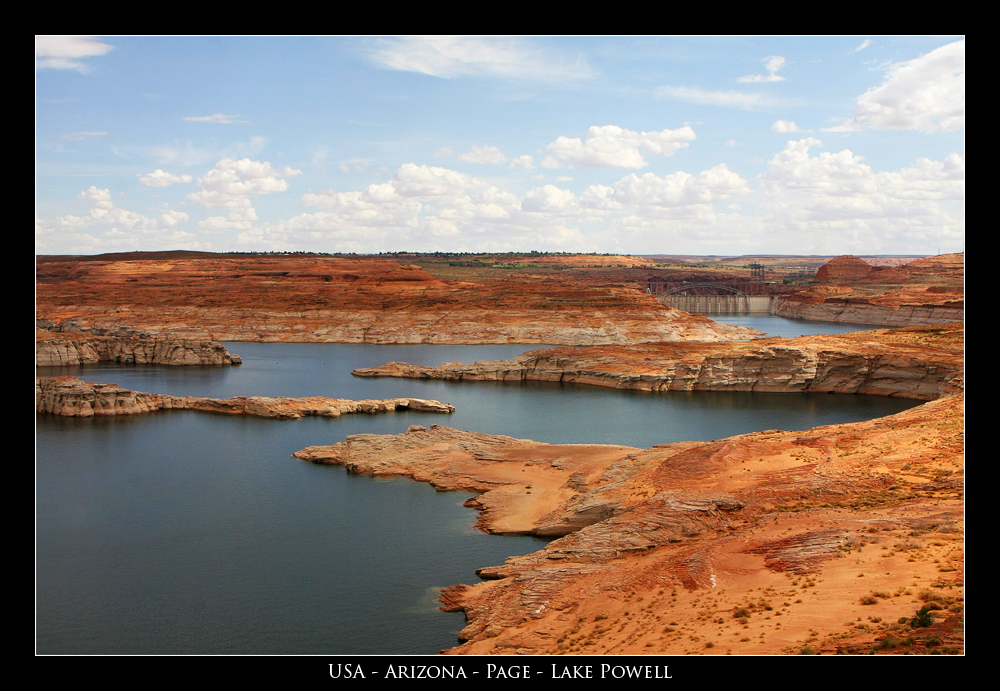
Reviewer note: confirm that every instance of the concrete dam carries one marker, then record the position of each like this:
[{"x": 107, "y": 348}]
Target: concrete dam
[{"x": 719, "y": 304}]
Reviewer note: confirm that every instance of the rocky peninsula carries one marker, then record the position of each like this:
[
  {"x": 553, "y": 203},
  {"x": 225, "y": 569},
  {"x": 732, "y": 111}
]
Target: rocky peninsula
[
  {"x": 827, "y": 540},
  {"x": 923, "y": 363},
  {"x": 75, "y": 398},
  {"x": 839, "y": 539}
]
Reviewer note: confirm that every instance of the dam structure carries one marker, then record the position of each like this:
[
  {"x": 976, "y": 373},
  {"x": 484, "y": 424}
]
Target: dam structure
[
  {"x": 720, "y": 304},
  {"x": 713, "y": 298},
  {"x": 720, "y": 297}
]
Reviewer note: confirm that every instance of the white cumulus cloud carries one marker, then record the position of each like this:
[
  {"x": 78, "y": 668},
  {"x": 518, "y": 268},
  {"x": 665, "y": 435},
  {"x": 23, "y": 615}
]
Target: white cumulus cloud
[
  {"x": 611, "y": 146},
  {"x": 837, "y": 200},
  {"x": 107, "y": 227},
  {"x": 784, "y": 126},
  {"x": 231, "y": 184},
  {"x": 926, "y": 94},
  {"x": 680, "y": 188},
  {"x": 548, "y": 198},
  {"x": 428, "y": 207}
]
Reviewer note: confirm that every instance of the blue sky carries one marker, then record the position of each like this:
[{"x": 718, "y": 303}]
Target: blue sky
[{"x": 794, "y": 145}]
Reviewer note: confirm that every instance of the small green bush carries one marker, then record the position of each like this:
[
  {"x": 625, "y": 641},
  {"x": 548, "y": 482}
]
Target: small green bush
[{"x": 922, "y": 618}]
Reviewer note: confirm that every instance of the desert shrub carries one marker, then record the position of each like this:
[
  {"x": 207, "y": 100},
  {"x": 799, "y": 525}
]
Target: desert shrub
[
  {"x": 922, "y": 618},
  {"x": 887, "y": 643}
]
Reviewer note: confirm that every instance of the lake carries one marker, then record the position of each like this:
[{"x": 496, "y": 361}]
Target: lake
[{"x": 184, "y": 533}]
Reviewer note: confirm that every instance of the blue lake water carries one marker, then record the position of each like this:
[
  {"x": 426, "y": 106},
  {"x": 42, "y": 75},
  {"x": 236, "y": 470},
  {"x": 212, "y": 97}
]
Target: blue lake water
[
  {"x": 181, "y": 532},
  {"x": 789, "y": 328}
]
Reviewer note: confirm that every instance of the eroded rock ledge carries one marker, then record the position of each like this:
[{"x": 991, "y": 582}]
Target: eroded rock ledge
[
  {"x": 75, "y": 398},
  {"x": 359, "y": 300},
  {"x": 837, "y": 309},
  {"x": 771, "y": 542},
  {"x": 55, "y": 348},
  {"x": 915, "y": 363},
  {"x": 665, "y": 549},
  {"x": 924, "y": 292}
]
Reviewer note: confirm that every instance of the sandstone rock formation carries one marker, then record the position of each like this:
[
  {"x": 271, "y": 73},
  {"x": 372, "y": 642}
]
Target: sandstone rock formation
[
  {"x": 74, "y": 398},
  {"x": 843, "y": 270},
  {"x": 904, "y": 367},
  {"x": 55, "y": 348},
  {"x": 923, "y": 292},
  {"x": 742, "y": 545},
  {"x": 941, "y": 270},
  {"x": 341, "y": 300},
  {"x": 853, "y": 312},
  {"x": 771, "y": 542}
]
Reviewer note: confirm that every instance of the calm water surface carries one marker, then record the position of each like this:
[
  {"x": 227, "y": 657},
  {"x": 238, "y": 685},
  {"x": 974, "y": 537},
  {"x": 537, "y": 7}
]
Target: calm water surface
[
  {"x": 789, "y": 328},
  {"x": 182, "y": 532}
]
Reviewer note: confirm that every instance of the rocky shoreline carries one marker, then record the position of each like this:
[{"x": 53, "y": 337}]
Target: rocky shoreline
[
  {"x": 776, "y": 542},
  {"x": 846, "y": 289},
  {"x": 815, "y": 364},
  {"x": 859, "y": 313},
  {"x": 72, "y": 397},
  {"x": 669, "y": 549},
  {"x": 56, "y": 348},
  {"x": 767, "y": 543}
]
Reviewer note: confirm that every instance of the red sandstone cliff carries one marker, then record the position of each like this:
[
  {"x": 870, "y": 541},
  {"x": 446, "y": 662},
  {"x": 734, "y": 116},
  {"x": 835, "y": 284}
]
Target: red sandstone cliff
[
  {"x": 926, "y": 291},
  {"x": 339, "y": 300}
]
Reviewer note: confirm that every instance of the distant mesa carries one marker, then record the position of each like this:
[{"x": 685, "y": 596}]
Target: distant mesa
[{"x": 846, "y": 267}]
